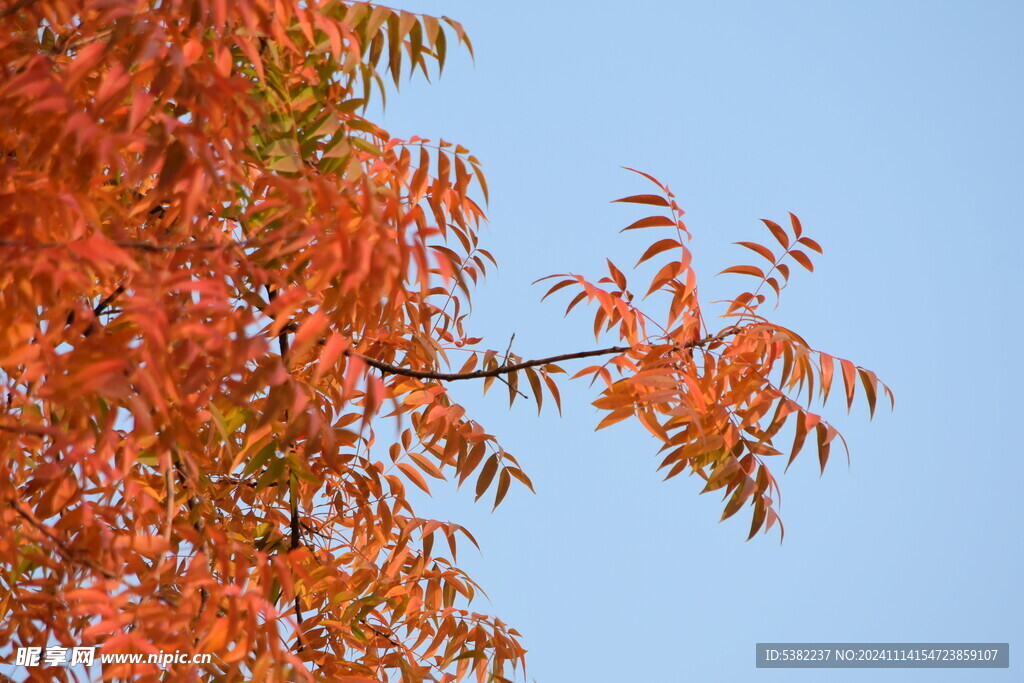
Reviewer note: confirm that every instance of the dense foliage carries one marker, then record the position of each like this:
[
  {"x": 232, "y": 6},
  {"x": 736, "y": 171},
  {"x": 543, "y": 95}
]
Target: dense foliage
[{"x": 219, "y": 281}]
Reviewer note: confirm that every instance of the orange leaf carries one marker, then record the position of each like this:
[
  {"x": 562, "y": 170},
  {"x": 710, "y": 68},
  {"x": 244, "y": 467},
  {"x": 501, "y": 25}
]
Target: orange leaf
[
  {"x": 667, "y": 273},
  {"x": 476, "y": 454},
  {"x": 553, "y": 388},
  {"x": 658, "y": 247},
  {"x": 521, "y": 476},
  {"x": 870, "y": 383},
  {"x": 414, "y": 475},
  {"x": 336, "y": 344},
  {"x": 486, "y": 475},
  {"x": 850, "y": 379},
  {"x": 759, "y": 249},
  {"x": 739, "y": 497},
  {"x": 615, "y": 416},
  {"x": 556, "y": 287},
  {"x": 425, "y": 465},
  {"x": 827, "y": 369},
  {"x": 144, "y": 544},
  {"x": 504, "y": 479}
]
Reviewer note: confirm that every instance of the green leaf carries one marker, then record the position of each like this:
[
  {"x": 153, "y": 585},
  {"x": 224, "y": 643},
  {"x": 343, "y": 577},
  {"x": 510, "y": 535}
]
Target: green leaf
[
  {"x": 471, "y": 654},
  {"x": 362, "y": 144},
  {"x": 257, "y": 461}
]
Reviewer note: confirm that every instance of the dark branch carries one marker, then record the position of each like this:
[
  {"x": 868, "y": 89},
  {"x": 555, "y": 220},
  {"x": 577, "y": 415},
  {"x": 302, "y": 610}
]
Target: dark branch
[
  {"x": 507, "y": 369},
  {"x": 296, "y": 542},
  {"x": 100, "y": 307},
  {"x": 34, "y": 430},
  {"x": 61, "y": 547},
  {"x": 16, "y": 7},
  {"x": 141, "y": 246},
  {"x": 477, "y": 374}
]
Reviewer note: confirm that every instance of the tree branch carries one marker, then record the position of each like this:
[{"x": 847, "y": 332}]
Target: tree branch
[
  {"x": 150, "y": 247},
  {"x": 100, "y": 307},
  {"x": 34, "y": 430},
  {"x": 477, "y": 374},
  {"x": 506, "y": 369},
  {"x": 296, "y": 542},
  {"x": 61, "y": 547},
  {"x": 16, "y": 7}
]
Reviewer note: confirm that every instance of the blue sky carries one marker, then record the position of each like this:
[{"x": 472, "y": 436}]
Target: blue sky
[{"x": 894, "y": 131}]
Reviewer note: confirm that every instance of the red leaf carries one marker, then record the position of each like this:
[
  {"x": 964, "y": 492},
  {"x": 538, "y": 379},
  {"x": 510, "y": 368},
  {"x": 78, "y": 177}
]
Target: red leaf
[
  {"x": 650, "y": 222},
  {"x": 744, "y": 270},
  {"x": 802, "y": 258},
  {"x": 649, "y": 199},
  {"x": 779, "y": 233},
  {"x": 797, "y": 228},
  {"x": 760, "y": 249},
  {"x": 810, "y": 244},
  {"x": 649, "y": 177}
]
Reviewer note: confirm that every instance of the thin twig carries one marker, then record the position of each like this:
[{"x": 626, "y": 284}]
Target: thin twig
[
  {"x": 169, "y": 503},
  {"x": 508, "y": 351},
  {"x": 100, "y": 307}
]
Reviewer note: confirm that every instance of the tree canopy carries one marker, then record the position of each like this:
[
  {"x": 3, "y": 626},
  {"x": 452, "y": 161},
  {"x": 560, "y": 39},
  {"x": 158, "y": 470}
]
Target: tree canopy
[{"x": 222, "y": 289}]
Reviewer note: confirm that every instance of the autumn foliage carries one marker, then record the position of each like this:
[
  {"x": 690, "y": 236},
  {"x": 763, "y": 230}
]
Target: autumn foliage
[{"x": 221, "y": 289}]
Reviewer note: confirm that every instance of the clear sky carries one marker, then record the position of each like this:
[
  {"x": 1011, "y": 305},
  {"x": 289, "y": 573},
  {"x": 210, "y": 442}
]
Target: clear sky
[{"x": 894, "y": 130}]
